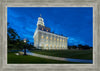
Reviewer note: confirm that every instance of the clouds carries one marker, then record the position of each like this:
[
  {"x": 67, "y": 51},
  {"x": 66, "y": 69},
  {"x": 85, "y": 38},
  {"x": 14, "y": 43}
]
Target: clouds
[
  {"x": 74, "y": 41},
  {"x": 74, "y": 22}
]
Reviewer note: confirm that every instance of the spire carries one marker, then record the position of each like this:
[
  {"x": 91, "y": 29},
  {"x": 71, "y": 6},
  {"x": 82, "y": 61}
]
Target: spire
[
  {"x": 40, "y": 15},
  {"x": 40, "y": 21}
]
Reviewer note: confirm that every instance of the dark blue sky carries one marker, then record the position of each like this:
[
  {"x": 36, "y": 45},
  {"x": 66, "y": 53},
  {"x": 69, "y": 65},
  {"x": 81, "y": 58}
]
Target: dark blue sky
[{"x": 74, "y": 22}]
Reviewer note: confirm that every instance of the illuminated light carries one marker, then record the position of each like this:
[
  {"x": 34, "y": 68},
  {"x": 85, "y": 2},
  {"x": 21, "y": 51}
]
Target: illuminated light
[
  {"x": 42, "y": 45},
  {"x": 47, "y": 45},
  {"x": 57, "y": 39},
  {"x": 46, "y": 37},
  {"x": 63, "y": 40},
  {"x": 54, "y": 38},
  {"x": 47, "y": 30},
  {"x": 42, "y": 37},
  {"x": 24, "y": 40},
  {"x": 51, "y": 38}
]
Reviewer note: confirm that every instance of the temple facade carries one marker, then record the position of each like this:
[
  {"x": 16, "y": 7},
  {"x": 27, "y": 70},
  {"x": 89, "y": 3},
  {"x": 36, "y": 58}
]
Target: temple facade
[{"x": 45, "y": 39}]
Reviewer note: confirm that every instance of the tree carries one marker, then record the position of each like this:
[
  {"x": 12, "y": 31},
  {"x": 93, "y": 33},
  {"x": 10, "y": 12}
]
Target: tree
[
  {"x": 80, "y": 46},
  {"x": 13, "y": 35},
  {"x": 15, "y": 42},
  {"x": 13, "y": 38},
  {"x": 74, "y": 47}
]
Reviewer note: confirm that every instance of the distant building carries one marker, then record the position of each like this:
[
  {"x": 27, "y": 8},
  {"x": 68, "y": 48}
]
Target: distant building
[{"x": 44, "y": 39}]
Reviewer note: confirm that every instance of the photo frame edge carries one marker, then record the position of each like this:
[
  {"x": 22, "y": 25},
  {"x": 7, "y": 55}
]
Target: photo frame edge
[{"x": 2, "y": 44}]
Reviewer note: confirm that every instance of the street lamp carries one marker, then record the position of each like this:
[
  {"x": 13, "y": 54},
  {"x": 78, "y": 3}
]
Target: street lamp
[
  {"x": 24, "y": 47},
  {"x": 24, "y": 40}
]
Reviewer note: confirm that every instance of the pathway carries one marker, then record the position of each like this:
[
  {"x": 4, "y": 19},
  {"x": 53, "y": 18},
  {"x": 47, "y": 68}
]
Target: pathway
[{"x": 60, "y": 58}]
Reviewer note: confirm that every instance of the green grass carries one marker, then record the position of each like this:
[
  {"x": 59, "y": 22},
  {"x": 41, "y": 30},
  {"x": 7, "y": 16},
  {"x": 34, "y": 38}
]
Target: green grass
[
  {"x": 21, "y": 59},
  {"x": 77, "y": 54}
]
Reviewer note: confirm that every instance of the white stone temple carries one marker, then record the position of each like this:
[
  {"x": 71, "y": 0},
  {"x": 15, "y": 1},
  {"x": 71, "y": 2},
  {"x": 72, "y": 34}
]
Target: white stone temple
[{"x": 45, "y": 39}]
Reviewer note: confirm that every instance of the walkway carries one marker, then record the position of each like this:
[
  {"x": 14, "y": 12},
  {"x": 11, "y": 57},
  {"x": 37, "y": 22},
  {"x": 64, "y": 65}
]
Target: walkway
[{"x": 60, "y": 58}]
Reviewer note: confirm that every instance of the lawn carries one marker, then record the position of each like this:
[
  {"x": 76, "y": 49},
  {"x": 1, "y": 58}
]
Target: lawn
[
  {"x": 21, "y": 59},
  {"x": 77, "y": 54}
]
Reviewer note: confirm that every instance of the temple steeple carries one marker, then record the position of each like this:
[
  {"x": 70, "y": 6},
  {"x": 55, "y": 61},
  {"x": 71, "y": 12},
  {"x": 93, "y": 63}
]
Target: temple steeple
[
  {"x": 40, "y": 15},
  {"x": 40, "y": 21}
]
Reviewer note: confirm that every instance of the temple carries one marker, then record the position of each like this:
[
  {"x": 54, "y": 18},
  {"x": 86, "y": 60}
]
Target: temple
[{"x": 45, "y": 39}]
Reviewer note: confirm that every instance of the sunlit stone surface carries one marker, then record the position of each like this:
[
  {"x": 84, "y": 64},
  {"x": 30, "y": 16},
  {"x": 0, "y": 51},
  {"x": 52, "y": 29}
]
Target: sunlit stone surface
[{"x": 44, "y": 39}]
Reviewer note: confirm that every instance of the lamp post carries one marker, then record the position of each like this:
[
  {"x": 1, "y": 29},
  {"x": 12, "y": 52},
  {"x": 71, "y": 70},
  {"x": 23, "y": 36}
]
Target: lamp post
[{"x": 24, "y": 47}]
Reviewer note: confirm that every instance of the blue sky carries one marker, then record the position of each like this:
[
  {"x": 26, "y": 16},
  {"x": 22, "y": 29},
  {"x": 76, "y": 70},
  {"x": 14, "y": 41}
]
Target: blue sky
[{"x": 76, "y": 23}]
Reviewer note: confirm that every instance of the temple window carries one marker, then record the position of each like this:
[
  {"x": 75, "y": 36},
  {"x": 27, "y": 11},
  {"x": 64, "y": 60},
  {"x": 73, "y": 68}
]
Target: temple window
[
  {"x": 58, "y": 39},
  {"x": 42, "y": 37},
  {"x": 47, "y": 45},
  {"x": 47, "y": 37},
  {"x": 51, "y": 38}
]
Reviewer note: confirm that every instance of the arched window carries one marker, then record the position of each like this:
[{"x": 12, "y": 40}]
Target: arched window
[
  {"x": 51, "y": 46},
  {"x": 51, "y": 38},
  {"x": 46, "y": 45},
  {"x": 42, "y": 36},
  {"x": 54, "y": 38},
  {"x": 58, "y": 39},
  {"x": 63, "y": 40},
  {"x": 47, "y": 37}
]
